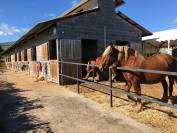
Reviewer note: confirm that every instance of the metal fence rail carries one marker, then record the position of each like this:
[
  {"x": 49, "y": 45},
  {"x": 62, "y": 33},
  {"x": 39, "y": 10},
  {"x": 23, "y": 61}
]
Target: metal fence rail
[{"x": 118, "y": 90}]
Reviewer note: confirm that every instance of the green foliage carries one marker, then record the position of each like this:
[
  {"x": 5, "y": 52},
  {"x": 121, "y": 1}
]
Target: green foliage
[
  {"x": 1, "y": 49},
  {"x": 162, "y": 44},
  {"x": 173, "y": 43}
]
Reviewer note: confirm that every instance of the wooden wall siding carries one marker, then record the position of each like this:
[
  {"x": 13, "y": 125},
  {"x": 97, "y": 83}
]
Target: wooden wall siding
[
  {"x": 54, "y": 71},
  {"x": 44, "y": 52},
  {"x": 70, "y": 51},
  {"x": 39, "y": 52},
  {"x": 29, "y": 54},
  {"x": 22, "y": 55}
]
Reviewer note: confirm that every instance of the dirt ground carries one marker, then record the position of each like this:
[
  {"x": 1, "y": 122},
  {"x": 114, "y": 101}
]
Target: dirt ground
[
  {"x": 161, "y": 118},
  {"x": 40, "y": 107}
]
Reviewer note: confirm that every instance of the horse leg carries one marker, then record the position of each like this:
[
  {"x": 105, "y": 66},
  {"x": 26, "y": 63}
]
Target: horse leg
[
  {"x": 113, "y": 74},
  {"x": 93, "y": 75},
  {"x": 87, "y": 76},
  {"x": 165, "y": 89},
  {"x": 137, "y": 89},
  {"x": 128, "y": 87},
  {"x": 171, "y": 83},
  {"x": 97, "y": 75}
]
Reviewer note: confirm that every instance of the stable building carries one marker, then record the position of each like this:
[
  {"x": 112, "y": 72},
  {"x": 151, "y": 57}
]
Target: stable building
[{"x": 79, "y": 34}]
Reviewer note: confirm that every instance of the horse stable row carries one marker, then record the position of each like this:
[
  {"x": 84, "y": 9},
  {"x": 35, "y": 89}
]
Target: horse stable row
[{"x": 78, "y": 35}]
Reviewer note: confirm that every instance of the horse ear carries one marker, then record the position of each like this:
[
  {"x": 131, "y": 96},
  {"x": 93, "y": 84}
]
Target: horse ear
[{"x": 111, "y": 45}]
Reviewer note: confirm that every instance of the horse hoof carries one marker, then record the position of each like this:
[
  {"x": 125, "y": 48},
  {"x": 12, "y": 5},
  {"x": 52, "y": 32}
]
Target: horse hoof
[
  {"x": 164, "y": 99},
  {"x": 138, "y": 108},
  {"x": 113, "y": 80},
  {"x": 170, "y": 101}
]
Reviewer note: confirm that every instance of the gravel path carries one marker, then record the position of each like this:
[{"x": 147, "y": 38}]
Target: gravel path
[{"x": 40, "y": 107}]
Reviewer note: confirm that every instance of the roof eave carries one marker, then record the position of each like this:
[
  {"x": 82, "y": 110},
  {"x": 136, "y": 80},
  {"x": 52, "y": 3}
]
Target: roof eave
[{"x": 119, "y": 2}]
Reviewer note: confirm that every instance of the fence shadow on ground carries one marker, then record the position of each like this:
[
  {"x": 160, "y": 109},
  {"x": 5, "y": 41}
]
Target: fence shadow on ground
[
  {"x": 14, "y": 117},
  {"x": 147, "y": 105}
]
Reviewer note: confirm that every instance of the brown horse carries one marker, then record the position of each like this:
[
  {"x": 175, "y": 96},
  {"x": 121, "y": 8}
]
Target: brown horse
[
  {"x": 92, "y": 70},
  {"x": 124, "y": 56}
]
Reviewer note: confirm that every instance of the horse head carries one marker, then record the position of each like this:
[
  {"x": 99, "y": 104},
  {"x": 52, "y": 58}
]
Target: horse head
[
  {"x": 88, "y": 66},
  {"x": 109, "y": 57}
]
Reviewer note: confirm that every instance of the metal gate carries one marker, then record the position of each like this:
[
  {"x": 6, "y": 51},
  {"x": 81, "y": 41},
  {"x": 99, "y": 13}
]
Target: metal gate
[{"x": 70, "y": 51}]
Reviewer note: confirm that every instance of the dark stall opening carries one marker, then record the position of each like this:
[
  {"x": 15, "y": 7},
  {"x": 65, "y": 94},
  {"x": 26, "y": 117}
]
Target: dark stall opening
[
  {"x": 19, "y": 56},
  {"x": 33, "y": 52},
  {"x": 25, "y": 55},
  {"x": 89, "y": 51},
  {"x": 122, "y": 43},
  {"x": 15, "y": 57},
  {"x": 52, "y": 50}
]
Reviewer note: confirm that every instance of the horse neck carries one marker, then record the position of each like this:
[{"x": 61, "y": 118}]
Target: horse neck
[{"x": 123, "y": 61}]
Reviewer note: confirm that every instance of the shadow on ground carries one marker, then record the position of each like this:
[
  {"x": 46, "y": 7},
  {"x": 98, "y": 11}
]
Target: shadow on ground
[{"x": 14, "y": 117}]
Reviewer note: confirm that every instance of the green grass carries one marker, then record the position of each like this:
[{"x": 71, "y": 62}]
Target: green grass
[{"x": 4, "y": 47}]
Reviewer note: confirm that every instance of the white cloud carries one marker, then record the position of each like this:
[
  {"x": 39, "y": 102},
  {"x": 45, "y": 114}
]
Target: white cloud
[
  {"x": 6, "y": 30},
  {"x": 51, "y": 15},
  {"x": 175, "y": 20},
  {"x": 74, "y": 2}
]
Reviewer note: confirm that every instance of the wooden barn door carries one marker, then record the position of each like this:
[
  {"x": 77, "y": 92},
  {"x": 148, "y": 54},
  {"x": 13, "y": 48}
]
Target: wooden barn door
[{"x": 70, "y": 51}]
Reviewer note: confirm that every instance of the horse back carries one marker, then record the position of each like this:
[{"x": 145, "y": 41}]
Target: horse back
[{"x": 159, "y": 62}]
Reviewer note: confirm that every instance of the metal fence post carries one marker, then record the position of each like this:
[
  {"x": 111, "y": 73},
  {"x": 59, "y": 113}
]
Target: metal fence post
[
  {"x": 110, "y": 85},
  {"x": 61, "y": 72},
  {"x": 78, "y": 78}
]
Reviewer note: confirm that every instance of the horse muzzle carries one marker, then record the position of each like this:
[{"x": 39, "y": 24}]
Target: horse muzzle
[{"x": 101, "y": 68}]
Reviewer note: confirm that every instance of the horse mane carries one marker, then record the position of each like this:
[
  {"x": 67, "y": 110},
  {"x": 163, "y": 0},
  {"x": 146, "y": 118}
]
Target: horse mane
[
  {"x": 107, "y": 51},
  {"x": 127, "y": 51}
]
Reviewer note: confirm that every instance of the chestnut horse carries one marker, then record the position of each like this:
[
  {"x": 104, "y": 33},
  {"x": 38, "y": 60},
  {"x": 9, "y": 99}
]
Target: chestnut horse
[
  {"x": 124, "y": 56},
  {"x": 92, "y": 70}
]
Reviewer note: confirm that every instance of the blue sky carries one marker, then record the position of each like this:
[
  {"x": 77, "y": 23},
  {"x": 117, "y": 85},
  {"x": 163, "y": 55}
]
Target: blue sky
[{"x": 18, "y": 16}]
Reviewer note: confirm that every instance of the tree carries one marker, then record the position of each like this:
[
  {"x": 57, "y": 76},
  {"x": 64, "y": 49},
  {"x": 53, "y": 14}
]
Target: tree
[{"x": 1, "y": 49}]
